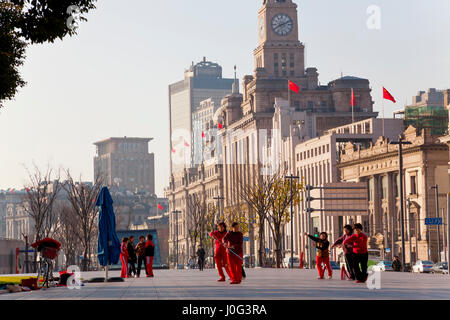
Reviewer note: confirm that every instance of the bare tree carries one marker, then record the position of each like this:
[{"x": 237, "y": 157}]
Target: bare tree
[
  {"x": 69, "y": 226},
  {"x": 82, "y": 197},
  {"x": 38, "y": 202},
  {"x": 280, "y": 201},
  {"x": 196, "y": 221},
  {"x": 258, "y": 198}
]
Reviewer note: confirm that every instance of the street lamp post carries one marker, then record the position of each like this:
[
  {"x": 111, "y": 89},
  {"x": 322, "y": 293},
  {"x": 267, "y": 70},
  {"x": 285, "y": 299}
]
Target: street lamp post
[
  {"x": 291, "y": 178},
  {"x": 436, "y": 189},
  {"x": 400, "y": 144},
  {"x": 176, "y": 212},
  {"x": 218, "y": 198}
]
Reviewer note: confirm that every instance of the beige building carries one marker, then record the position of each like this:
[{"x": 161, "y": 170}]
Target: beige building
[
  {"x": 425, "y": 164},
  {"x": 205, "y": 182},
  {"x": 126, "y": 163}
]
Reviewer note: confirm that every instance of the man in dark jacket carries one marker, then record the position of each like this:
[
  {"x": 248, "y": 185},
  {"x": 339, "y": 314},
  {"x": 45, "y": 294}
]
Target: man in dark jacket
[
  {"x": 131, "y": 256},
  {"x": 140, "y": 251},
  {"x": 348, "y": 250},
  {"x": 201, "y": 257},
  {"x": 396, "y": 264}
]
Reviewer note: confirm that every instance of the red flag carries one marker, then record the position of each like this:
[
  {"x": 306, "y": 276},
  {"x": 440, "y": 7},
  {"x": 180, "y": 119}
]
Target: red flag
[
  {"x": 353, "y": 98},
  {"x": 160, "y": 207},
  {"x": 12, "y": 191},
  {"x": 388, "y": 96},
  {"x": 220, "y": 125},
  {"x": 203, "y": 134},
  {"x": 27, "y": 189},
  {"x": 173, "y": 150},
  {"x": 293, "y": 87},
  {"x": 186, "y": 144}
]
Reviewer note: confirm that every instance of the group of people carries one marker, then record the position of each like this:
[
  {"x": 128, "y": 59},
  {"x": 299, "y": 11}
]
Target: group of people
[
  {"x": 142, "y": 253},
  {"x": 228, "y": 252},
  {"x": 354, "y": 245}
]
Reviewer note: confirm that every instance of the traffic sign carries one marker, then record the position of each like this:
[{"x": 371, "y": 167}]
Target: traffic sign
[
  {"x": 387, "y": 250},
  {"x": 433, "y": 221},
  {"x": 246, "y": 239}
]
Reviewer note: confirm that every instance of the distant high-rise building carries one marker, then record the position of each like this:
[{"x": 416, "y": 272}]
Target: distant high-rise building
[
  {"x": 202, "y": 81},
  {"x": 126, "y": 163}
]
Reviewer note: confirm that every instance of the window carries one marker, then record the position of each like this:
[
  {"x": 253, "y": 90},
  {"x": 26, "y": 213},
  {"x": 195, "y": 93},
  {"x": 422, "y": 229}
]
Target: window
[
  {"x": 283, "y": 64},
  {"x": 413, "y": 186},
  {"x": 384, "y": 187},
  {"x": 275, "y": 63}
]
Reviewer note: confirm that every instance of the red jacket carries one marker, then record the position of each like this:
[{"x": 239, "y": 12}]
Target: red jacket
[
  {"x": 359, "y": 242},
  {"x": 218, "y": 236},
  {"x": 123, "y": 249},
  {"x": 234, "y": 240}
]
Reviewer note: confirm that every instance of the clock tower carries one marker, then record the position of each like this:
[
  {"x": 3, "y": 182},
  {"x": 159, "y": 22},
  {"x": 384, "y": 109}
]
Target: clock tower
[{"x": 279, "y": 50}]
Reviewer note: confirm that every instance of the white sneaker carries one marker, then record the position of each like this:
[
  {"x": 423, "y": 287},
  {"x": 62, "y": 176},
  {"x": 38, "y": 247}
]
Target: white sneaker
[{"x": 330, "y": 277}]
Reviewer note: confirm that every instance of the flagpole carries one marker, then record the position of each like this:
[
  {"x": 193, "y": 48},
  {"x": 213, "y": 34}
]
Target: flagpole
[
  {"x": 289, "y": 95},
  {"x": 382, "y": 108},
  {"x": 353, "y": 106}
]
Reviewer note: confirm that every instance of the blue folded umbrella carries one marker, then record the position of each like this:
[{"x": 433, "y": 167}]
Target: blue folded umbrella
[{"x": 108, "y": 242}]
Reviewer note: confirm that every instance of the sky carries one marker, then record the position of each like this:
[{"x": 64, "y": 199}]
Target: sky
[{"x": 111, "y": 80}]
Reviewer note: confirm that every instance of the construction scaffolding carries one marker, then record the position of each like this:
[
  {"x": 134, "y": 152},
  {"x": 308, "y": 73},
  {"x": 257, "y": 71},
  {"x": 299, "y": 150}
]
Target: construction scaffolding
[{"x": 435, "y": 118}]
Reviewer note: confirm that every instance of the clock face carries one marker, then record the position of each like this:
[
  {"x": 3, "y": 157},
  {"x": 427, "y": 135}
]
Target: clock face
[{"x": 282, "y": 24}]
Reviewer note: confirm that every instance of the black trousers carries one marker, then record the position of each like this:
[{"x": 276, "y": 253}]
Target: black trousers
[
  {"x": 139, "y": 264},
  {"x": 360, "y": 266},
  {"x": 201, "y": 263},
  {"x": 349, "y": 258},
  {"x": 131, "y": 269}
]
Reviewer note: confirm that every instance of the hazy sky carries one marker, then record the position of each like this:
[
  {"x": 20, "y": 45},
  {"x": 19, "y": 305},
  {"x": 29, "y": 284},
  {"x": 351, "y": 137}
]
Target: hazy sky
[{"x": 112, "y": 79}]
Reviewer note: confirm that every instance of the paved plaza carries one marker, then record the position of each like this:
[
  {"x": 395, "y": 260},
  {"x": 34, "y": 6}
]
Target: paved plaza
[{"x": 260, "y": 284}]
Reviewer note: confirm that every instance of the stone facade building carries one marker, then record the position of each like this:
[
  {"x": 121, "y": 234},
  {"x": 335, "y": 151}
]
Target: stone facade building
[
  {"x": 126, "y": 162},
  {"x": 425, "y": 164}
]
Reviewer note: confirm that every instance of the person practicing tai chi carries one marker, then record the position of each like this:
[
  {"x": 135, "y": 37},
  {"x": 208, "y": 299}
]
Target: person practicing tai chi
[
  {"x": 149, "y": 254},
  {"x": 140, "y": 251},
  {"x": 323, "y": 254},
  {"x": 124, "y": 258},
  {"x": 361, "y": 257},
  {"x": 220, "y": 252},
  {"x": 233, "y": 241},
  {"x": 348, "y": 250}
]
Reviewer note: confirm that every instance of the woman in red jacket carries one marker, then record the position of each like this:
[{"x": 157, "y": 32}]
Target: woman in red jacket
[
  {"x": 361, "y": 257},
  {"x": 124, "y": 258},
  {"x": 220, "y": 253},
  {"x": 233, "y": 241}
]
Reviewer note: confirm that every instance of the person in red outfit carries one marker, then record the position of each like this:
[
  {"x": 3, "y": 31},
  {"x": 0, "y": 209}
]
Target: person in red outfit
[
  {"x": 124, "y": 258},
  {"x": 359, "y": 243},
  {"x": 220, "y": 252},
  {"x": 323, "y": 254},
  {"x": 149, "y": 254},
  {"x": 233, "y": 241}
]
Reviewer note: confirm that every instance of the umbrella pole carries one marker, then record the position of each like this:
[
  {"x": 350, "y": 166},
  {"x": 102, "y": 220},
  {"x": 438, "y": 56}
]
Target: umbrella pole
[{"x": 106, "y": 273}]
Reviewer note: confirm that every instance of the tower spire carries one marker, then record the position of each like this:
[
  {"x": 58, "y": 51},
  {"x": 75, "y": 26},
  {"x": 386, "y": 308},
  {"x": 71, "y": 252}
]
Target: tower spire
[{"x": 235, "y": 88}]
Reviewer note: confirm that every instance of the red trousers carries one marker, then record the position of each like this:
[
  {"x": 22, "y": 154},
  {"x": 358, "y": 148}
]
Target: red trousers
[
  {"x": 222, "y": 262},
  {"x": 326, "y": 262},
  {"x": 235, "y": 265},
  {"x": 124, "y": 270},
  {"x": 149, "y": 265}
]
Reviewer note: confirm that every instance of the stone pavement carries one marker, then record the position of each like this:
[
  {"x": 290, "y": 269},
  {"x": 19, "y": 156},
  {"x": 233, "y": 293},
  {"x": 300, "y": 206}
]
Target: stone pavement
[{"x": 261, "y": 284}]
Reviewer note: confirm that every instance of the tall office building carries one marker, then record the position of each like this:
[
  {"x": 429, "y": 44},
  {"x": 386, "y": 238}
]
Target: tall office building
[
  {"x": 126, "y": 163},
  {"x": 202, "y": 81}
]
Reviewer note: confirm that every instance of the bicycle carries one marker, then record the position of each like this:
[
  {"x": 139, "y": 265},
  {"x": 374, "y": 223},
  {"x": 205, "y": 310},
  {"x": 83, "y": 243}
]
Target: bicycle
[{"x": 47, "y": 252}]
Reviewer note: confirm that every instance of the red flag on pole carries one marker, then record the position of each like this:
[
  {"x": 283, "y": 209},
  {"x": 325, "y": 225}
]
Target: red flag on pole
[
  {"x": 160, "y": 207},
  {"x": 388, "y": 96},
  {"x": 173, "y": 150},
  {"x": 293, "y": 87},
  {"x": 203, "y": 134},
  {"x": 186, "y": 144},
  {"x": 353, "y": 98},
  {"x": 220, "y": 125}
]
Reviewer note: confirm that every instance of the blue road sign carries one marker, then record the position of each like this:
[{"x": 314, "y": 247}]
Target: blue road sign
[
  {"x": 246, "y": 238},
  {"x": 433, "y": 221},
  {"x": 388, "y": 250}
]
